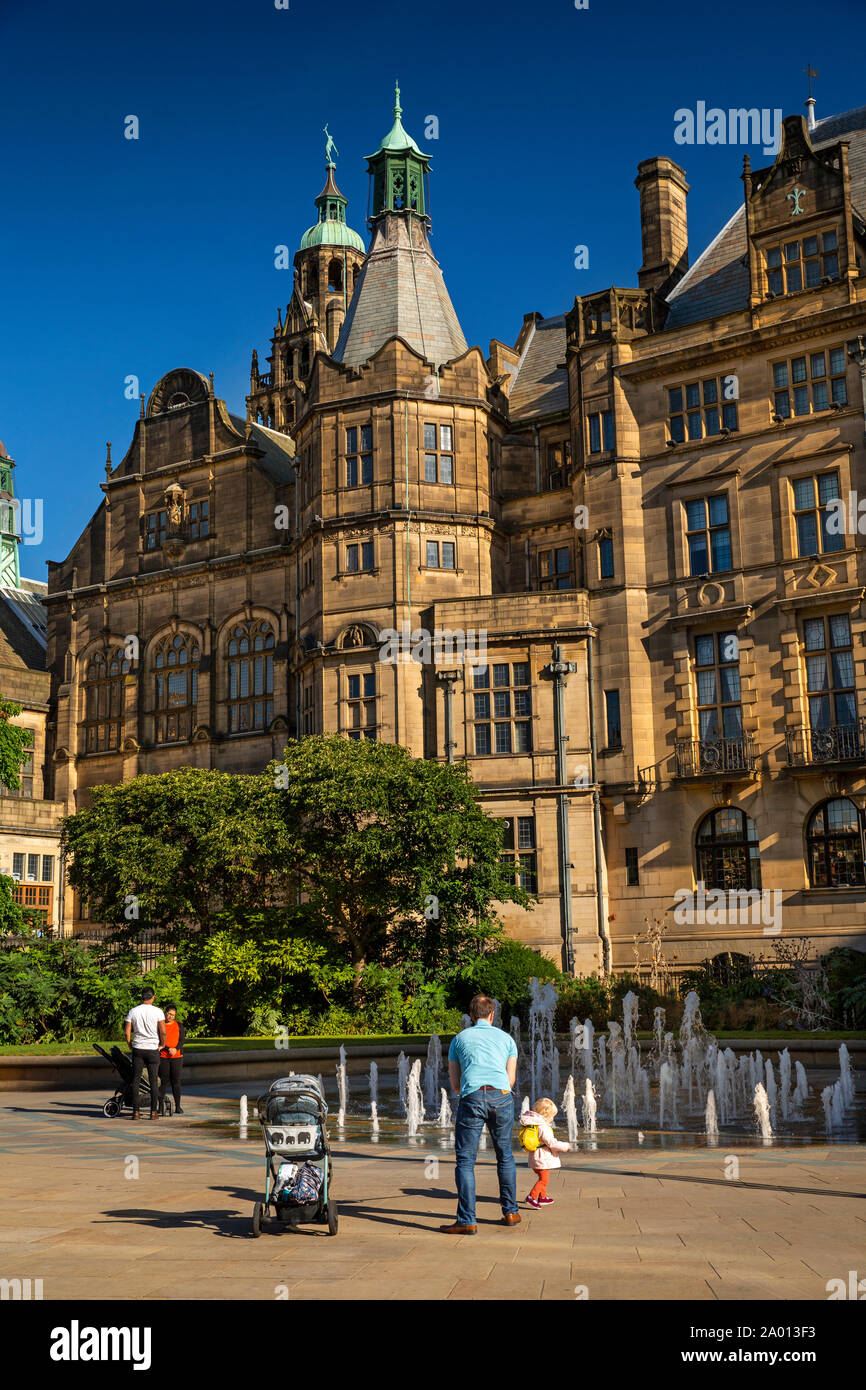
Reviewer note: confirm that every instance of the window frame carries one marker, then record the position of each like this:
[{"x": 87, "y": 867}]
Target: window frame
[
  {"x": 237, "y": 700},
  {"x": 358, "y": 459},
  {"x": 683, "y": 414},
  {"x": 508, "y": 721},
  {"x": 361, "y": 705},
  {"x": 776, "y": 277},
  {"x": 435, "y": 454},
  {"x": 175, "y": 722},
  {"x": 794, "y": 380}
]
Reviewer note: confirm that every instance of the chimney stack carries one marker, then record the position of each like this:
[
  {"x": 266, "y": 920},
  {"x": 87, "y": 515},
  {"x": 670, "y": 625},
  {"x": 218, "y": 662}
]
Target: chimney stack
[{"x": 663, "y": 224}]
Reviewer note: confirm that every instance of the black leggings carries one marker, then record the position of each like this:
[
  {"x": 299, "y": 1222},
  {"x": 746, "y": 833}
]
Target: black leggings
[{"x": 170, "y": 1067}]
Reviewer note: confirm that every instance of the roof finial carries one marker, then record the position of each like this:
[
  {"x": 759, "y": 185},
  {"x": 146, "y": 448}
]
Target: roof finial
[
  {"x": 398, "y": 110},
  {"x": 810, "y": 101},
  {"x": 330, "y": 148},
  {"x": 108, "y": 461}
]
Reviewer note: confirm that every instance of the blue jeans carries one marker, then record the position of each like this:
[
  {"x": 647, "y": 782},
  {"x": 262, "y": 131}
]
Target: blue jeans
[{"x": 495, "y": 1109}]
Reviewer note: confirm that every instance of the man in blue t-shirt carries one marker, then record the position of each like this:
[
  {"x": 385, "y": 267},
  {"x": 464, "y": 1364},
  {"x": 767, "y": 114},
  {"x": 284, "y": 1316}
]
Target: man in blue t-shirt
[{"x": 482, "y": 1065}]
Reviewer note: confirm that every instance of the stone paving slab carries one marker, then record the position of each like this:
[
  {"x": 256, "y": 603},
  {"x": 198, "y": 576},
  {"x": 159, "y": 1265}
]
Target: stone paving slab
[{"x": 627, "y": 1224}]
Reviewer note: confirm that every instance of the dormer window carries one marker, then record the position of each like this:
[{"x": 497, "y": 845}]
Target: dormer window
[{"x": 803, "y": 264}]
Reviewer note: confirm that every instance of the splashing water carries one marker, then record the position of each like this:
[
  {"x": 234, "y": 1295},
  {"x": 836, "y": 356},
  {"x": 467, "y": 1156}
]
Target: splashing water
[
  {"x": 374, "y": 1085},
  {"x": 342, "y": 1086},
  {"x": 569, "y": 1109},
  {"x": 542, "y": 1005},
  {"x": 801, "y": 1088},
  {"x": 846, "y": 1076},
  {"x": 667, "y": 1093},
  {"x": 834, "y": 1107},
  {"x": 629, "y": 1016},
  {"x": 403, "y": 1081},
  {"x": 374, "y": 1115},
  {"x": 414, "y": 1099},
  {"x": 762, "y": 1112},
  {"x": 444, "y": 1118},
  {"x": 711, "y": 1124},
  {"x": 772, "y": 1091},
  {"x": 590, "y": 1108},
  {"x": 432, "y": 1070},
  {"x": 784, "y": 1099}
]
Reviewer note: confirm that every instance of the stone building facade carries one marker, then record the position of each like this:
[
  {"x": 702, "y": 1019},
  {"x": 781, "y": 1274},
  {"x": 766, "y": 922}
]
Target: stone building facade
[
  {"x": 587, "y": 563},
  {"x": 29, "y": 818}
]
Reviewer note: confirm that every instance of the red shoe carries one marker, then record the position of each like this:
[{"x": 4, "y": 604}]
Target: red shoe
[
  {"x": 533, "y": 1201},
  {"x": 546, "y": 1201}
]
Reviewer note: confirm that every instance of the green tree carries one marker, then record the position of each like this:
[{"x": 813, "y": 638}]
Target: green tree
[
  {"x": 180, "y": 848},
  {"x": 14, "y": 742},
  {"x": 394, "y": 854},
  {"x": 360, "y": 844}
]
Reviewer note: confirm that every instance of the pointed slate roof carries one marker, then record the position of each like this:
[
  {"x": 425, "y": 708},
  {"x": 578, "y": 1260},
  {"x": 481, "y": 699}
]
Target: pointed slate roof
[
  {"x": 718, "y": 282},
  {"x": 540, "y": 385},
  {"x": 400, "y": 293}
]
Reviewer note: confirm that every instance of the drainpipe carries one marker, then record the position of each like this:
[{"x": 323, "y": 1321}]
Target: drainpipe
[
  {"x": 537, "y": 459},
  {"x": 600, "y": 903},
  {"x": 408, "y": 513},
  {"x": 297, "y": 489},
  {"x": 558, "y": 670}
]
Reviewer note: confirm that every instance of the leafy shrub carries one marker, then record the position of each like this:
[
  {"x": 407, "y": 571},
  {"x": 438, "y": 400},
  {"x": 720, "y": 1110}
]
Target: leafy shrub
[
  {"x": 504, "y": 973},
  {"x": 63, "y": 991}
]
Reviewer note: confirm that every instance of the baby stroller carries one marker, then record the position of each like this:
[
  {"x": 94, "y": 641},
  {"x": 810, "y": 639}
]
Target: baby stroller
[
  {"x": 123, "y": 1098},
  {"x": 292, "y": 1114}
]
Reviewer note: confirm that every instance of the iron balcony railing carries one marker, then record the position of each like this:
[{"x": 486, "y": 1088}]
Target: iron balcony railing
[
  {"x": 706, "y": 756},
  {"x": 835, "y": 743}
]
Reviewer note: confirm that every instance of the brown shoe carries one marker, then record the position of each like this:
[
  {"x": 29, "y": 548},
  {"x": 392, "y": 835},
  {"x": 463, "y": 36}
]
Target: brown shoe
[
  {"x": 511, "y": 1218},
  {"x": 456, "y": 1230},
  {"x": 154, "y": 1114},
  {"x": 136, "y": 1114}
]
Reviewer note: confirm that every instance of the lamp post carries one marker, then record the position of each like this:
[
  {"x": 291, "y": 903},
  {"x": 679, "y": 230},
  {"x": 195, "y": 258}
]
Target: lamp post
[
  {"x": 558, "y": 670},
  {"x": 448, "y": 680}
]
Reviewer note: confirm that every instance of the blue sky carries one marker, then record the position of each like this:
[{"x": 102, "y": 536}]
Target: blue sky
[{"x": 133, "y": 257}]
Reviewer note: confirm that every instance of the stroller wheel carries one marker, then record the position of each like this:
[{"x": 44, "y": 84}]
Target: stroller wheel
[
  {"x": 258, "y": 1211},
  {"x": 332, "y": 1217},
  {"x": 111, "y": 1109}
]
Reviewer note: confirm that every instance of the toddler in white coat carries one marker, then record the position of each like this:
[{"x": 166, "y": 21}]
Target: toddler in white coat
[{"x": 545, "y": 1157}]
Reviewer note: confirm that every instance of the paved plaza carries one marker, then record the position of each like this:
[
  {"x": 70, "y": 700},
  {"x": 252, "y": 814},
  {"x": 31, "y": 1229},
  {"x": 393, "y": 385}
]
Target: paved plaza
[{"x": 627, "y": 1224}]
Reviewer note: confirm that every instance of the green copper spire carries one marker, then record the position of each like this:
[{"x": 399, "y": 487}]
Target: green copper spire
[
  {"x": 331, "y": 229},
  {"x": 398, "y": 170},
  {"x": 10, "y": 572}
]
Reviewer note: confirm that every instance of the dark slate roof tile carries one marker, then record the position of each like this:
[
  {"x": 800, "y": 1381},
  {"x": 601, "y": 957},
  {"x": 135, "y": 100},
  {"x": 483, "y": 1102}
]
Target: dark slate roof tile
[{"x": 541, "y": 384}]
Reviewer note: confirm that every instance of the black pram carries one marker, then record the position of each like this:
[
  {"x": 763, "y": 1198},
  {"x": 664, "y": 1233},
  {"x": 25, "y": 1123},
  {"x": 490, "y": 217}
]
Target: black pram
[{"x": 123, "y": 1097}]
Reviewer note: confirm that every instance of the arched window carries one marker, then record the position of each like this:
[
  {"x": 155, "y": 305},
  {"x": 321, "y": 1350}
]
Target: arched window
[
  {"x": 103, "y": 700},
  {"x": 834, "y": 844},
  {"x": 175, "y": 664},
  {"x": 335, "y": 274},
  {"x": 250, "y": 677},
  {"x": 727, "y": 850},
  {"x": 312, "y": 278}
]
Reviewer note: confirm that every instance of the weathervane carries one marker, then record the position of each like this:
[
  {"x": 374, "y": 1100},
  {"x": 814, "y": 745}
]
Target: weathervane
[
  {"x": 330, "y": 147},
  {"x": 810, "y": 73}
]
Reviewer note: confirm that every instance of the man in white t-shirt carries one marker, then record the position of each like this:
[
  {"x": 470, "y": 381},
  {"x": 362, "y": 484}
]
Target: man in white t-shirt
[{"x": 145, "y": 1032}]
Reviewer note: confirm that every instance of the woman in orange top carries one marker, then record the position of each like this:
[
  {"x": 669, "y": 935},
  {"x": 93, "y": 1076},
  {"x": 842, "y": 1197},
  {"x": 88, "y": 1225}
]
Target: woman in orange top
[{"x": 171, "y": 1058}]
